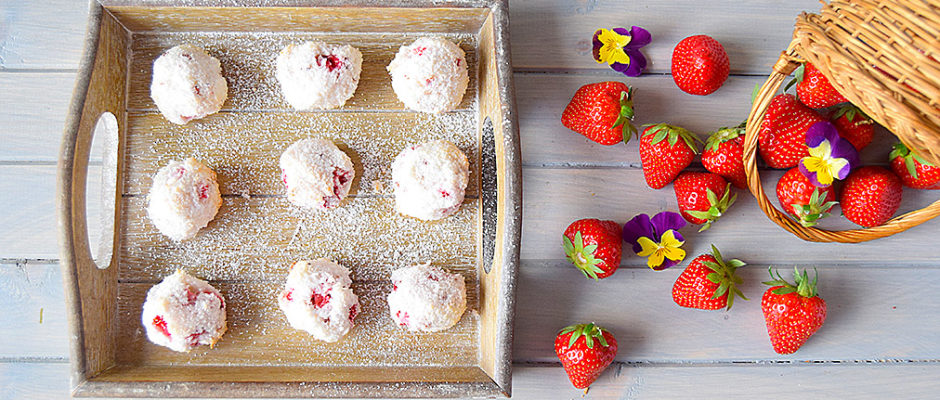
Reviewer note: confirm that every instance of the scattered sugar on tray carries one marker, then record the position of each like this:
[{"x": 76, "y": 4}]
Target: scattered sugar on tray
[
  {"x": 248, "y": 62},
  {"x": 248, "y": 245}
]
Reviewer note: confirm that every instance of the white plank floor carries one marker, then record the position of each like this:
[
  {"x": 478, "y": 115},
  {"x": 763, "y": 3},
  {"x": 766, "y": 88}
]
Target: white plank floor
[{"x": 882, "y": 338}]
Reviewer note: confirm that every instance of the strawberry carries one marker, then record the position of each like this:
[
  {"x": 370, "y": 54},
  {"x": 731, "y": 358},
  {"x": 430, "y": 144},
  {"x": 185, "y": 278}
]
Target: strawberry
[
  {"x": 699, "y": 65},
  {"x": 782, "y": 134},
  {"x": 793, "y": 312},
  {"x": 814, "y": 89},
  {"x": 799, "y": 198},
  {"x": 585, "y": 350},
  {"x": 724, "y": 155},
  {"x": 703, "y": 197},
  {"x": 871, "y": 196},
  {"x": 853, "y": 125},
  {"x": 603, "y": 112},
  {"x": 914, "y": 171},
  {"x": 708, "y": 283},
  {"x": 663, "y": 155},
  {"x": 593, "y": 246}
]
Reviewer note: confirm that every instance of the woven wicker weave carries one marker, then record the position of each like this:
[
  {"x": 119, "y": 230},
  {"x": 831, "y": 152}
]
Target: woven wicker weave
[{"x": 884, "y": 57}]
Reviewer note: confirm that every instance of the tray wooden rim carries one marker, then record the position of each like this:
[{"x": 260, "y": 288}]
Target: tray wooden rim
[{"x": 72, "y": 228}]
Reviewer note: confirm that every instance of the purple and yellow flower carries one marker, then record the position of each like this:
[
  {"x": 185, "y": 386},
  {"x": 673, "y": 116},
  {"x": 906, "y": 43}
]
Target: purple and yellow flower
[
  {"x": 657, "y": 238},
  {"x": 830, "y": 156},
  {"x": 620, "y": 49}
]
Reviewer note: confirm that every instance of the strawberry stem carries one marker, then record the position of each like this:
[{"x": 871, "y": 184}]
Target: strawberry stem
[
  {"x": 724, "y": 276},
  {"x": 803, "y": 286},
  {"x": 625, "y": 119}
]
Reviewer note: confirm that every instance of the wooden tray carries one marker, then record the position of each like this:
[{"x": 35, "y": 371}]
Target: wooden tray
[{"x": 247, "y": 249}]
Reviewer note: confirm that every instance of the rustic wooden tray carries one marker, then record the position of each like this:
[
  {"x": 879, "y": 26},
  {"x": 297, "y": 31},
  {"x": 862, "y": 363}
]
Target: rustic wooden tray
[{"x": 247, "y": 249}]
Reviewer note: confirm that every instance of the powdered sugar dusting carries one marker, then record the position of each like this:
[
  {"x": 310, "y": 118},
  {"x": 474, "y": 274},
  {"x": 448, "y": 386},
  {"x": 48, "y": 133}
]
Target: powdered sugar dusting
[
  {"x": 248, "y": 63},
  {"x": 247, "y": 249},
  {"x": 243, "y": 148}
]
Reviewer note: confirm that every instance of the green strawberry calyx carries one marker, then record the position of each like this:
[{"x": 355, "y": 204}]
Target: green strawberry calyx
[
  {"x": 900, "y": 150},
  {"x": 582, "y": 256},
  {"x": 724, "y": 275},
  {"x": 817, "y": 208},
  {"x": 797, "y": 78},
  {"x": 722, "y": 135},
  {"x": 589, "y": 332},
  {"x": 850, "y": 112},
  {"x": 672, "y": 134},
  {"x": 716, "y": 209},
  {"x": 625, "y": 119},
  {"x": 803, "y": 286}
]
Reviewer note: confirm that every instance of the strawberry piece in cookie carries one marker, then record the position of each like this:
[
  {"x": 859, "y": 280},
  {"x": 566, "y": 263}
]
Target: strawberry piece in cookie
[
  {"x": 183, "y": 199},
  {"x": 187, "y": 84},
  {"x": 318, "y": 299},
  {"x": 426, "y": 298},
  {"x": 426, "y": 77},
  {"x": 316, "y": 173},
  {"x": 430, "y": 180},
  {"x": 317, "y": 75},
  {"x": 183, "y": 312}
]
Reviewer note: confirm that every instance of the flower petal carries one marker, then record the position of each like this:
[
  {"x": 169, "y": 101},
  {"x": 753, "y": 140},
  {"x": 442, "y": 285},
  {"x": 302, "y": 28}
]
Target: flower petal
[
  {"x": 648, "y": 246},
  {"x": 811, "y": 175},
  {"x": 655, "y": 259},
  {"x": 666, "y": 264},
  {"x": 641, "y": 37},
  {"x": 674, "y": 253},
  {"x": 665, "y": 221},
  {"x": 669, "y": 239},
  {"x": 821, "y": 150},
  {"x": 637, "y": 63},
  {"x": 636, "y": 228},
  {"x": 818, "y": 132}
]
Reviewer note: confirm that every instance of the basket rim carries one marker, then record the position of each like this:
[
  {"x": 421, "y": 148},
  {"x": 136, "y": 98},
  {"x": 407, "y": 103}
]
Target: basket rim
[{"x": 789, "y": 60}]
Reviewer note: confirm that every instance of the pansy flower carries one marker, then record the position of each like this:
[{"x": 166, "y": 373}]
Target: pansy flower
[
  {"x": 656, "y": 238},
  {"x": 830, "y": 156},
  {"x": 620, "y": 48}
]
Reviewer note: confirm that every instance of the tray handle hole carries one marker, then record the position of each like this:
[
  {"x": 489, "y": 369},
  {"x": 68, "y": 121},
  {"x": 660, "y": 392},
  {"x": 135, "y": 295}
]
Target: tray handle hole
[
  {"x": 488, "y": 192},
  {"x": 101, "y": 190}
]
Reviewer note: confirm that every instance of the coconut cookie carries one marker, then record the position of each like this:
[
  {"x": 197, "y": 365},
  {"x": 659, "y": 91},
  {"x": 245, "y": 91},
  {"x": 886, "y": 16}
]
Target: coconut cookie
[
  {"x": 184, "y": 197},
  {"x": 430, "y": 179},
  {"x": 183, "y": 312},
  {"x": 318, "y": 299},
  {"x": 187, "y": 84},
  {"x": 316, "y": 75},
  {"x": 426, "y": 298},
  {"x": 430, "y": 75},
  {"x": 316, "y": 173}
]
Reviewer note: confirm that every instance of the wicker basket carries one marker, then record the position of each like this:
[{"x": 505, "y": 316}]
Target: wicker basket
[{"x": 884, "y": 57}]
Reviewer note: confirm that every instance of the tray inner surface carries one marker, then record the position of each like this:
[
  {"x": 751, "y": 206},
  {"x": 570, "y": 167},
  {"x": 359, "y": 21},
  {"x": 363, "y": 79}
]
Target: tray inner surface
[{"x": 247, "y": 249}]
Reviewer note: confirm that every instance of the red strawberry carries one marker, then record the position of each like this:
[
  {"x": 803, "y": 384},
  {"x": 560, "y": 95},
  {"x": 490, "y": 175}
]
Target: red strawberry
[
  {"x": 914, "y": 171},
  {"x": 724, "y": 155},
  {"x": 699, "y": 65},
  {"x": 601, "y": 111},
  {"x": 799, "y": 198},
  {"x": 703, "y": 197},
  {"x": 594, "y": 246},
  {"x": 663, "y": 155},
  {"x": 814, "y": 89},
  {"x": 793, "y": 312},
  {"x": 853, "y": 125},
  {"x": 708, "y": 283},
  {"x": 871, "y": 196},
  {"x": 585, "y": 350},
  {"x": 782, "y": 135}
]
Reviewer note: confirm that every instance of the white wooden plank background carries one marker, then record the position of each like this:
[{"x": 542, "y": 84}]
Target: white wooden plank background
[{"x": 881, "y": 339}]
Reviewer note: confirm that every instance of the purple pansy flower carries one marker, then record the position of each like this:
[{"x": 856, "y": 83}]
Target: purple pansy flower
[
  {"x": 620, "y": 48},
  {"x": 657, "y": 238},
  {"x": 830, "y": 156}
]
